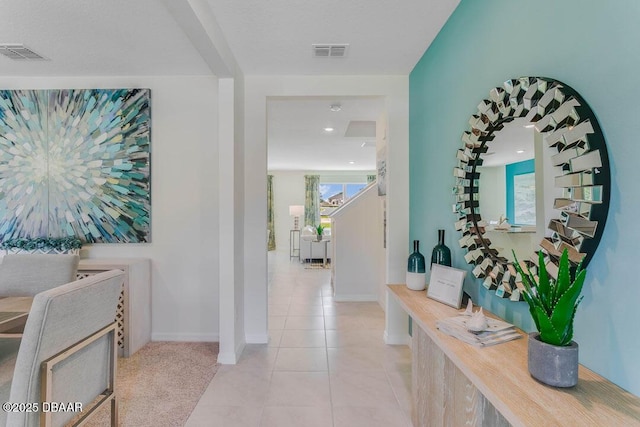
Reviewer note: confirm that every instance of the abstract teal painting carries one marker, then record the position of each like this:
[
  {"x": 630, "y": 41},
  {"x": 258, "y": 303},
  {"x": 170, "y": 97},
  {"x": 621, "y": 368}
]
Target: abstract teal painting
[{"x": 75, "y": 162}]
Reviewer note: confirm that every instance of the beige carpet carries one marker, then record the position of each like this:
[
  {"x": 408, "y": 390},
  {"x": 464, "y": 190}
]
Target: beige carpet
[{"x": 161, "y": 384}]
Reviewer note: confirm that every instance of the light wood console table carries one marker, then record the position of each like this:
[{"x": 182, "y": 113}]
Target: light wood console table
[
  {"x": 454, "y": 383},
  {"x": 134, "y": 307}
]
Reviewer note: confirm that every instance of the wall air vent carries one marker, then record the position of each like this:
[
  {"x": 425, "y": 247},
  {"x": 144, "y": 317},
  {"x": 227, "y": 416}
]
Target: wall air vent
[
  {"x": 20, "y": 52},
  {"x": 330, "y": 50}
]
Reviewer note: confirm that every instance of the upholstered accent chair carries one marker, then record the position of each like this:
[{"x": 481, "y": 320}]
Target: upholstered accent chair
[
  {"x": 68, "y": 352},
  {"x": 24, "y": 275}
]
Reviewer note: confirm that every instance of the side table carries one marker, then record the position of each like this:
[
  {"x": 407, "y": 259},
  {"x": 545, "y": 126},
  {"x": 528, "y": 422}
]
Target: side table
[
  {"x": 134, "y": 307},
  {"x": 294, "y": 244}
]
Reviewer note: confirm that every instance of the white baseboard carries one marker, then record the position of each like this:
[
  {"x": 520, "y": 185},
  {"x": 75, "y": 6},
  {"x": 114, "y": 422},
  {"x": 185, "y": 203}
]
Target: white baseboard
[
  {"x": 355, "y": 298},
  {"x": 231, "y": 357},
  {"x": 399, "y": 339},
  {"x": 256, "y": 338},
  {"x": 186, "y": 336}
]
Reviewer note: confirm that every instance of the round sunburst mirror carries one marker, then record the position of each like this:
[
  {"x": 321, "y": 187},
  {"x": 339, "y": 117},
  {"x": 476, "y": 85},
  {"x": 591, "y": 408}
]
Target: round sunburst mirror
[{"x": 532, "y": 175}]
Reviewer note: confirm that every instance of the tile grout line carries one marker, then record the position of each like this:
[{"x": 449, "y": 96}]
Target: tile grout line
[
  {"x": 326, "y": 352},
  {"x": 300, "y": 291}
]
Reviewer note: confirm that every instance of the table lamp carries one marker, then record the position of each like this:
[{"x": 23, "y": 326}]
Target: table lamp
[{"x": 296, "y": 211}]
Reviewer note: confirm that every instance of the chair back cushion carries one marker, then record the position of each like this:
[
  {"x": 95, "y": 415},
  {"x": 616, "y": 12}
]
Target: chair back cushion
[
  {"x": 59, "y": 318},
  {"x": 24, "y": 275}
]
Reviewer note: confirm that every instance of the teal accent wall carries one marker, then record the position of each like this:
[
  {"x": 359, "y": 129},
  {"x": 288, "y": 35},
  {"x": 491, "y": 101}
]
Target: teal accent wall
[{"x": 590, "y": 45}]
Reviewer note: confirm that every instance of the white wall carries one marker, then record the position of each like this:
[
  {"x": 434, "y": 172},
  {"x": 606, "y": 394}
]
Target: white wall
[
  {"x": 238, "y": 222},
  {"x": 493, "y": 193},
  {"x": 356, "y": 234},
  {"x": 184, "y": 208},
  {"x": 288, "y": 189},
  {"x": 395, "y": 90},
  {"x": 231, "y": 207}
]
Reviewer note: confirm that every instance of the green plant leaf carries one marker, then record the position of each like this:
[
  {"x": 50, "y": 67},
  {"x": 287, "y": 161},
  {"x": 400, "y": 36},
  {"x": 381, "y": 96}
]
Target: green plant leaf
[
  {"x": 553, "y": 303},
  {"x": 548, "y": 333},
  {"x": 564, "y": 310},
  {"x": 566, "y": 339},
  {"x": 528, "y": 281},
  {"x": 545, "y": 288},
  {"x": 532, "y": 310},
  {"x": 578, "y": 272},
  {"x": 564, "y": 278}
]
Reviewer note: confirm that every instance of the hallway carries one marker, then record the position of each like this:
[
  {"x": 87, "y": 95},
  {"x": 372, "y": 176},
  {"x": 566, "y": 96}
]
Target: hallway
[{"x": 326, "y": 363}]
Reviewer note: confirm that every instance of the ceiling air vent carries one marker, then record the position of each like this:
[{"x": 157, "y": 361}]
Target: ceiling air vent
[
  {"x": 330, "y": 50},
  {"x": 20, "y": 52}
]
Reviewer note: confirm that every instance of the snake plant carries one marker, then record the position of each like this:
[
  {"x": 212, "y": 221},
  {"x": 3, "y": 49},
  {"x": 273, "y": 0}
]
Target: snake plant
[{"x": 553, "y": 302}]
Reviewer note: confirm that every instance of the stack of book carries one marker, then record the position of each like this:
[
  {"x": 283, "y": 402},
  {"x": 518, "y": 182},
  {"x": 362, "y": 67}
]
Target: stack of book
[{"x": 496, "y": 331}]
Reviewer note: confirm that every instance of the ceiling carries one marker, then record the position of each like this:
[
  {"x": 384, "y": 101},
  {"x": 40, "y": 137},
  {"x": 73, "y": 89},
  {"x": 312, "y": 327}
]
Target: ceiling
[
  {"x": 103, "y": 38},
  {"x": 514, "y": 143},
  {"x": 257, "y": 37},
  {"x": 384, "y": 37},
  {"x": 296, "y": 130}
]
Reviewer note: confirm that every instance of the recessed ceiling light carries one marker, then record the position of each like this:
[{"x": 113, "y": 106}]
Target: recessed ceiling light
[
  {"x": 335, "y": 107},
  {"x": 328, "y": 129},
  {"x": 352, "y": 162},
  {"x": 520, "y": 151}
]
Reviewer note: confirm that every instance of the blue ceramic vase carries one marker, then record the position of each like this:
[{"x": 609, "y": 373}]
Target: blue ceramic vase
[
  {"x": 441, "y": 254},
  {"x": 416, "y": 269}
]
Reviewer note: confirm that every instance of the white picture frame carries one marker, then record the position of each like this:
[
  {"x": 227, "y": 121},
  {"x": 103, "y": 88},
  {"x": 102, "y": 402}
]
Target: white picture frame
[{"x": 445, "y": 285}]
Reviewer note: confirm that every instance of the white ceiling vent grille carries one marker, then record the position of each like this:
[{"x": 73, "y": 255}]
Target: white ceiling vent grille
[
  {"x": 330, "y": 50},
  {"x": 20, "y": 52}
]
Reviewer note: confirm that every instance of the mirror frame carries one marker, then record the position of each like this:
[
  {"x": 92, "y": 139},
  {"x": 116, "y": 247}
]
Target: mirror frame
[{"x": 567, "y": 124}]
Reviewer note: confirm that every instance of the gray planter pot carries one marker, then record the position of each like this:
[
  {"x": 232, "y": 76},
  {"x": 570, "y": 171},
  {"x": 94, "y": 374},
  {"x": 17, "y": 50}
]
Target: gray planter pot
[{"x": 551, "y": 364}]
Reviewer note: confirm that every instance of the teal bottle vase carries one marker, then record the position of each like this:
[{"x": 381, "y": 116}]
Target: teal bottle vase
[
  {"x": 441, "y": 254},
  {"x": 416, "y": 269}
]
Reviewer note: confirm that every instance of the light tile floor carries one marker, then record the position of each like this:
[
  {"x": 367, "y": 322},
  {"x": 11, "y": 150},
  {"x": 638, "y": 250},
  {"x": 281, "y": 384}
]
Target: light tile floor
[{"x": 326, "y": 364}]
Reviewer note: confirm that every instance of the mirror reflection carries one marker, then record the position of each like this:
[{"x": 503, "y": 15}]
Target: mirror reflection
[
  {"x": 532, "y": 175},
  {"x": 507, "y": 190}
]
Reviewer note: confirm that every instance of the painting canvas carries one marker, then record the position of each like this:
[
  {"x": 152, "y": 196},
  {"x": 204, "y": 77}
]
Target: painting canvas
[{"x": 75, "y": 162}]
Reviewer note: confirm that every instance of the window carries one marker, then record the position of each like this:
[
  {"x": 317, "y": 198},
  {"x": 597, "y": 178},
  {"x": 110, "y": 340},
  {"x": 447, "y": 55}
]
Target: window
[
  {"x": 521, "y": 193},
  {"x": 333, "y": 195}
]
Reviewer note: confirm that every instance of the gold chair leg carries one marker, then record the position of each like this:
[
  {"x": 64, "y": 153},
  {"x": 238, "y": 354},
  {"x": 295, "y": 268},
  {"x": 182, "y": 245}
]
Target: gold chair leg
[{"x": 114, "y": 412}]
